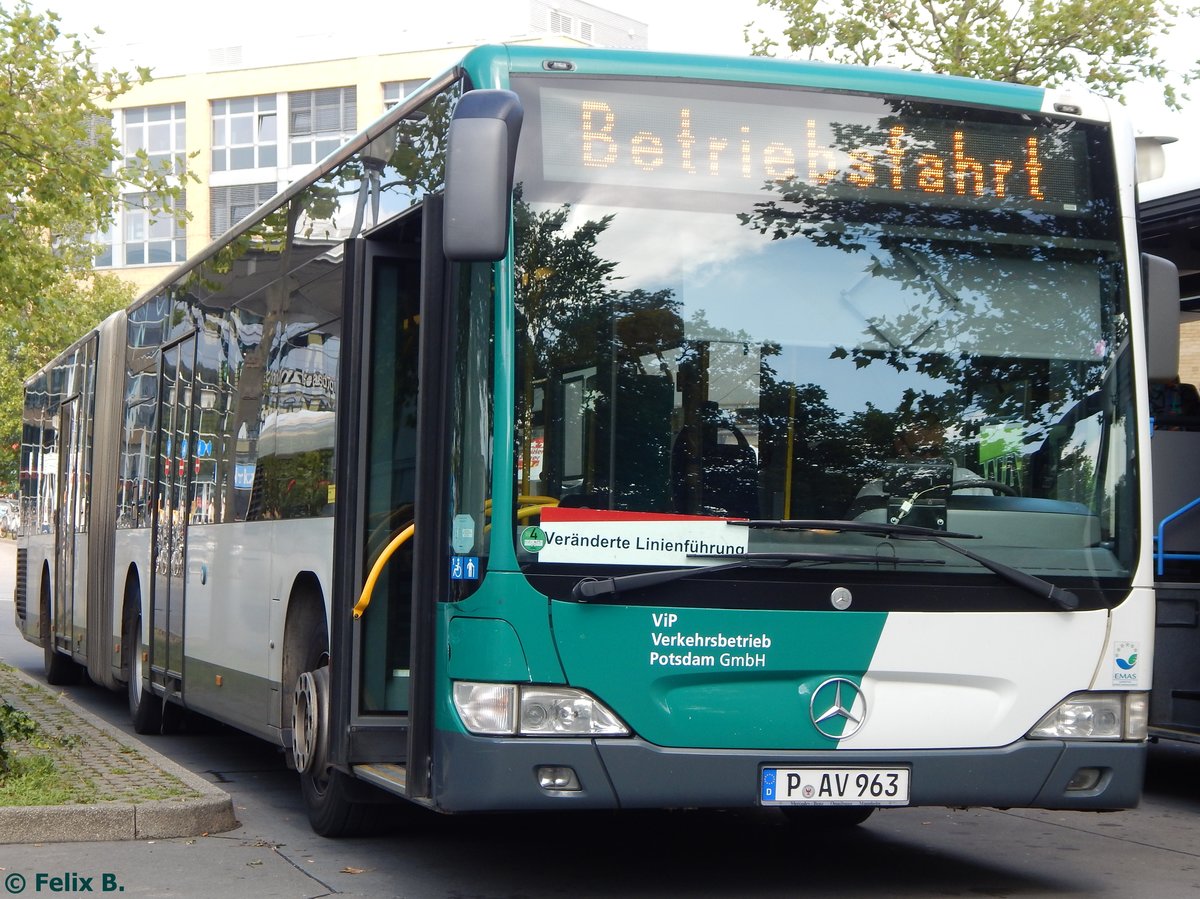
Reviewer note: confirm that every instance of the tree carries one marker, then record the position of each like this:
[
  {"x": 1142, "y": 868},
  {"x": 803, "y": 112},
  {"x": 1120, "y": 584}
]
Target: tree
[
  {"x": 1106, "y": 44},
  {"x": 60, "y": 178}
]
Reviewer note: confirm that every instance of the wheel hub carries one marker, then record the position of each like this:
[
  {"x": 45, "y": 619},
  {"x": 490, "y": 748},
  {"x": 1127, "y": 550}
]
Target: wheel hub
[
  {"x": 309, "y": 713},
  {"x": 304, "y": 722}
]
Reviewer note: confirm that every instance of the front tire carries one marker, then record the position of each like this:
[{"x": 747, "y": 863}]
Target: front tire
[
  {"x": 329, "y": 794},
  {"x": 330, "y": 812}
]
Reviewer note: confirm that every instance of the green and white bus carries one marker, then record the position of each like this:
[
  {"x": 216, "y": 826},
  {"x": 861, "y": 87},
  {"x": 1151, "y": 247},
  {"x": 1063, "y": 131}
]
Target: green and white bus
[{"x": 609, "y": 430}]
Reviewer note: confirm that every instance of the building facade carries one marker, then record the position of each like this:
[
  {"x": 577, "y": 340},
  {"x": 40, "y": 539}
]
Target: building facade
[{"x": 258, "y": 118}]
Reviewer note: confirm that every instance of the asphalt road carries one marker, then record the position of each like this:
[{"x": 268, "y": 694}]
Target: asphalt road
[{"x": 1152, "y": 851}]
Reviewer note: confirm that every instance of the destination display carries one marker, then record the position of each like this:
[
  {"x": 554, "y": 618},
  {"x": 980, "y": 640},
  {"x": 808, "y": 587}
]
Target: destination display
[{"x": 610, "y": 137}]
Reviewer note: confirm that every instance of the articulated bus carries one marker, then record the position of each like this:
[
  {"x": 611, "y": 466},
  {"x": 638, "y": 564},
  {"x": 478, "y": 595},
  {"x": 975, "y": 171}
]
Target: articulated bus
[{"x": 610, "y": 430}]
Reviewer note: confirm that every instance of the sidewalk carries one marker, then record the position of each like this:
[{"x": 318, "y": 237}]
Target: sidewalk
[{"x": 138, "y": 793}]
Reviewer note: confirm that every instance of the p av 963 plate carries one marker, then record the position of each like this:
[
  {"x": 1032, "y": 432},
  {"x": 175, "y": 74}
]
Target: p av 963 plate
[{"x": 834, "y": 786}]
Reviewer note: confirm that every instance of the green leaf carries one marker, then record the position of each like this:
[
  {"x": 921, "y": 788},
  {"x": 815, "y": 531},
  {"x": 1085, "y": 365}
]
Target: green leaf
[
  {"x": 58, "y": 171},
  {"x": 1106, "y": 44}
]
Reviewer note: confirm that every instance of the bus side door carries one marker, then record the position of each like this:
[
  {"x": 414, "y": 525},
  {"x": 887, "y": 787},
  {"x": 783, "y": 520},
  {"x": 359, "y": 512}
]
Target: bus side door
[
  {"x": 70, "y": 429},
  {"x": 171, "y": 507}
]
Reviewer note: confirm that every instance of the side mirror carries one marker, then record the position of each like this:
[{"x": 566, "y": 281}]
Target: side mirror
[
  {"x": 480, "y": 158},
  {"x": 1151, "y": 160},
  {"x": 1160, "y": 282}
]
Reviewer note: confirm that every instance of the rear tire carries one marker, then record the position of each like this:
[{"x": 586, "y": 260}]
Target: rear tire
[
  {"x": 61, "y": 670},
  {"x": 145, "y": 709},
  {"x": 327, "y": 792}
]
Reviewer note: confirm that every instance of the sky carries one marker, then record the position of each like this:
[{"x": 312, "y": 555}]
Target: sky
[{"x": 142, "y": 32}]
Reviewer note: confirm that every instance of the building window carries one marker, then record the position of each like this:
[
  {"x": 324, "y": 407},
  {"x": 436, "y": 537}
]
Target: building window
[
  {"x": 152, "y": 239},
  {"x": 102, "y": 127},
  {"x": 319, "y": 122},
  {"x": 395, "y": 91},
  {"x": 562, "y": 23},
  {"x": 244, "y": 133},
  {"x": 229, "y": 205},
  {"x": 104, "y": 247},
  {"x": 159, "y": 132}
]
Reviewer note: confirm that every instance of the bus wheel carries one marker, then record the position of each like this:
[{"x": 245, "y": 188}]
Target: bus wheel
[
  {"x": 145, "y": 709},
  {"x": 826, "y": 818},
  {"x": 61, "y": 670},
  {"x": 328, "y": 793}
]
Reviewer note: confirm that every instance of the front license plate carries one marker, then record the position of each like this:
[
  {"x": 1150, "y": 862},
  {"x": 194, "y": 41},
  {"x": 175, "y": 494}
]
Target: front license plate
[{"x": 835, "y": 786}]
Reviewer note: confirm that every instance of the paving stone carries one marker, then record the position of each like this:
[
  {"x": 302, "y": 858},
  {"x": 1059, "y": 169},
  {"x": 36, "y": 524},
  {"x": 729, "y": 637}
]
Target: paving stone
[{"x": 128, "y": 790}]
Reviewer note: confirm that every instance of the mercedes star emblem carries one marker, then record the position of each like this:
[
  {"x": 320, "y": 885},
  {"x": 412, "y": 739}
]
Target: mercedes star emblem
[{"x": 832, "y": 708}]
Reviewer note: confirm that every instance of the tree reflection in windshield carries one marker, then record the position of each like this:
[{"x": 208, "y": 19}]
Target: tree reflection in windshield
[{"x": 778, "y": 356}]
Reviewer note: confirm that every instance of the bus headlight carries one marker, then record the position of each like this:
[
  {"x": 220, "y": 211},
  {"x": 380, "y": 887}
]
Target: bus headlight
[
  {"x": 1096, "y": 716},
  {"x": 534, "y": 711},
  {"x": 564, "y": 712}
]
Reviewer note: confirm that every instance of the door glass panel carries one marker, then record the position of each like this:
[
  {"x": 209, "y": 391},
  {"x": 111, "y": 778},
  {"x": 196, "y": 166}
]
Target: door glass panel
[
  {"x": 68, "y": 480},
  {"x": 391, "y": 477},
  {"x": 164, "y": 513},
  {"x": 172, "y": 507}
]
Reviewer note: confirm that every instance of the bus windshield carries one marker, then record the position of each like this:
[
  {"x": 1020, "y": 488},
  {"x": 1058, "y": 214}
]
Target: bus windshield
[{"x": 740, "y": 302}]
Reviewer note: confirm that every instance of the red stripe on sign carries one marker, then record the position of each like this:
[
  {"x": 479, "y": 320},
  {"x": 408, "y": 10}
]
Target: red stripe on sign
[{"x": 558, "y": 514}]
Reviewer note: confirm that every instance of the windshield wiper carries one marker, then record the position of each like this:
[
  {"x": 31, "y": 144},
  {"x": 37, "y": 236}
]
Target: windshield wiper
[
  {"x": 589, "y": 588},
  {"x": 1064, "y": 599},
  {"x": 848, "y": 527}
]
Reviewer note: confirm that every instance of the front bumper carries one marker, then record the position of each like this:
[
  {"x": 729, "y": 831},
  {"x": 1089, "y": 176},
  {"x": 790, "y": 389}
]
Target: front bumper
[{"x": 493, "y": 774}]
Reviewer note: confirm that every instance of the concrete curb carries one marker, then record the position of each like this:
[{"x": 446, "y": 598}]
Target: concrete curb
[{"x": 211, "y": 811}]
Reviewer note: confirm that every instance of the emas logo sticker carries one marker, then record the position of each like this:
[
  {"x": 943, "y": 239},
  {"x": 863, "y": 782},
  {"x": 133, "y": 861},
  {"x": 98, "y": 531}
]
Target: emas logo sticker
[{"x": 1125, "y": 664}]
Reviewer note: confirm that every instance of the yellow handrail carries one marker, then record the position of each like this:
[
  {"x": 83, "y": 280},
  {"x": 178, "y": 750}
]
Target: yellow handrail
[
  {"x": 523, "y": 512},
  {"x": 535, "y": 500},
  {"x": 530, "y": 511},
  {"x": 364, "y": 598},
  {"x": 539, "y": 500}
]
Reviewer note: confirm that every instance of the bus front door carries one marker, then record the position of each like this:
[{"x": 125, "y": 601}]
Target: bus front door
[
  {"x": 171, "y": 514},
  {"x": 390, "y": 476}
]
